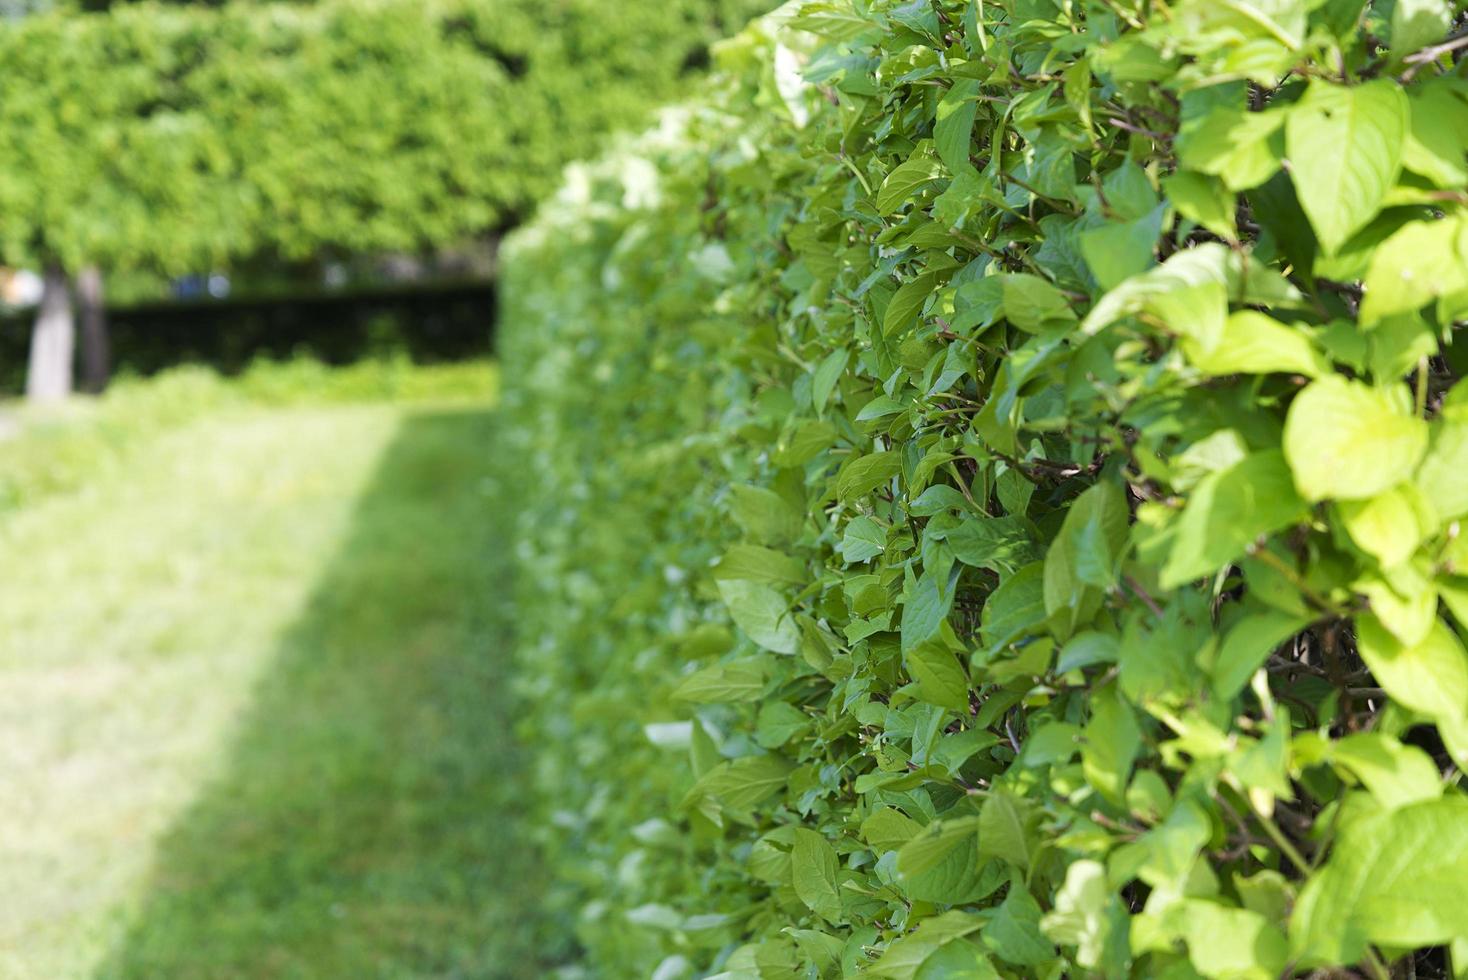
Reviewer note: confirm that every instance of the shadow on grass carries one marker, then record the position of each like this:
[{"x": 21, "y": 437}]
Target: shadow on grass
[{"x": 367, "y": 823}]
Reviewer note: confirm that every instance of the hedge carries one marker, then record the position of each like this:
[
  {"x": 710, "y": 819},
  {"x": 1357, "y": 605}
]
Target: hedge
[
  {"x": 994, "y": 478},
  {"x": 179, "y": 137}
]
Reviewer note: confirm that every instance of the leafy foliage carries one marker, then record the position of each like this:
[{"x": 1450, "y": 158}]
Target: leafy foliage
[
  {"x": 176, "y": 137},
  {"x": 994, "y": 480}
]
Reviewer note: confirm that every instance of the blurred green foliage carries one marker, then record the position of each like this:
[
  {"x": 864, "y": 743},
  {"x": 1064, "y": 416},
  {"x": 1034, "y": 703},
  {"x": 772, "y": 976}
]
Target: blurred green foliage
[{"x": 175, "y": 137}]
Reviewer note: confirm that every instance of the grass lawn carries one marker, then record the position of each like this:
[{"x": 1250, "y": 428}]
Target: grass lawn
[{"x": 255, "y": 708}]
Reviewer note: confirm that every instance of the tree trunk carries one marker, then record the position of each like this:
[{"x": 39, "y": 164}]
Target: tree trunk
[
  {"x": 48, "y": 378},
  {"x": 96, "y": 351}
]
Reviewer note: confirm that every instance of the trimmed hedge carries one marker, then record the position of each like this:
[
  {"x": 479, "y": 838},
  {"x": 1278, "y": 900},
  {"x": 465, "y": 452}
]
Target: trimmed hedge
[
  {"x": 179, "y": 137},
  {"x": 994, "y": 477}
]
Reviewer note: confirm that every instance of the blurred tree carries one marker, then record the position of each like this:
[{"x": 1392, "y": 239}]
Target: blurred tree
[{"x": 175, "y": 137}]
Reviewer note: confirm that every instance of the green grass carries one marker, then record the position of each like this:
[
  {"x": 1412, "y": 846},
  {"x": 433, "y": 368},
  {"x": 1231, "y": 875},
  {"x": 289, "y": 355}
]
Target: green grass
[{"x": 255, "y": 708}]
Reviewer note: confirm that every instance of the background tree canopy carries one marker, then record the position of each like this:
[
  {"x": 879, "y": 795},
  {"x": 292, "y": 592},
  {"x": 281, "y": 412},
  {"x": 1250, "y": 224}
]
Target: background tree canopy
[{"x": 178, "y": 137}]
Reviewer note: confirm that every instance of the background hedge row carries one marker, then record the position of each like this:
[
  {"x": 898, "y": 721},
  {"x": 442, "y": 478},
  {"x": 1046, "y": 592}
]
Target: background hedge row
[
  {"x": 994, "y": 479},
  {"x": 180, "y": 136}
]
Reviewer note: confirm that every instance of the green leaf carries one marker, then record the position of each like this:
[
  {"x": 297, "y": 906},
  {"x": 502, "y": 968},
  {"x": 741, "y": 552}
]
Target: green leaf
[
  {"x": 1389, "y": 526},
  {"x": 943, "y": 864},
  {"x": 1397, "y": 878},
  {"x": 1440, "y": 478},
  {"x": 906, "y": 955},
  {"x": 756, "y": 564},
  {"x": 953, "y": 131},
  {"x": 1248, "y": 644},
  {"x": 1006, "y": 829},
  {"x": 1345, "y": 148},
  {"x": 863, "y": 474},
  {"x": 1001, "y": 544},
  {"x": 905, "y": 182},
  {"x": 1204, "y": 199},
  {"x": 1231, "y": 943},
  {"x": 1112, "y": 740},
  {"x": 1016, "y": 606},
  {"x": 762, "y": 613},
  {"x": 864, "y": 539},
  {"x": 925, "y": 609},
  {"x": 777, "y": 723},
  {"x": 813, "y": 872},
  {"x": 1348, "y": 441},
  {"x": 1430, "y": 677},
  {"x": 1242, "y": 148},
  {"x": 826, "y": 375},
  {"x": 1418, "y": 23},
  {"x": 1420, "y": 262},
  {"x": 1252, "y": 343},
  {"x": 959, "y": 960},
  {"x": 908, "y": 302},
  {"x": 941, "y": 680},
  {"x": 1227, "y": 512},
  {"x": 1397, "y": 775},
  {"x": 1084, "y": 557},
  {"x": 1089, "y": 917},
  {"x": 1014, "y": 933},
  {"x": 738, "y": 680},
  {"x": 764, "y": 514}
]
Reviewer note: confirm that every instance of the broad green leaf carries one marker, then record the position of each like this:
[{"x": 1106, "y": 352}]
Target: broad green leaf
[
  {"x": 1421, "y": 262},
  {"x": 737, "y": 680},
  {"x": 904, "y": 183},
  {"x": 1112, "y": 740},
  {"x": 958, "y": 960},
  {"x": 1389, "y": 526},
  {"x": 908, "y": 302},
  {"x": 864, "y": 539},
  {"x": 1430, "y": 677},
  {"x": 756, "y": 564},
  {"x": 1227, "y": 512},
  {"x": 1242, "y": 148},
  {"x": 764, "y": 514},
  {"x": 1441, "y": 477},
  {"x": 887, "y": 829},
  {"x": 1397, "y": 775},
  {"x": 941, "y": 680},
  {"x": 1231, "y": 943},
  {"x": 1345, "y": 149},
  {"x": 1007, "y": 829},
  {"x": 1348, "y": 441},
  {"x": 902, "y": 959},
  {"x": 1396, "y": 878},
  {"x": 1205, "y": 199},
  {"x": 1435, "y": 147},
  {"x": 943, "y": 865},
  {"x": 743, "y": 783},
  {"x": 954, "y": 128},
  {"x": 864, "y": 474},
  {"x": 1016, "y": 606},
  {"x": 1417, "y": 23},
  {"x": 925, "y": 609},
  {"x": 1014, "y": 933},
  {"x": 1085, "y": 555},
  {"x": 1253, "y": 343},
  {"x": 827, "y": 373},
  {"x": 1089, "y": 917},
  {"x": 1248, "y": 644},
  {"x": 813, "y": 871},
  {"x": 762, "y": 613},
  {"x": 778, "y": 722}
]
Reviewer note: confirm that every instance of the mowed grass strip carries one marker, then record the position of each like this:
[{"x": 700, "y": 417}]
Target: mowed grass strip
[{"x": 255, "y": 709}]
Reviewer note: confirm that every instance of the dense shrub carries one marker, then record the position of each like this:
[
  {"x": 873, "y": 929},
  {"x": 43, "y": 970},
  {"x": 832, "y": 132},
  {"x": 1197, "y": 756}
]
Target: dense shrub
[
  {"x": 995, "y": 479},
  {"x": 179, "y": 136}
]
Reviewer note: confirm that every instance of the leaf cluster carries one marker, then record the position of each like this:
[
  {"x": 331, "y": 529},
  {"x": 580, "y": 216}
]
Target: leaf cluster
[{"x": 995, "y": 479}]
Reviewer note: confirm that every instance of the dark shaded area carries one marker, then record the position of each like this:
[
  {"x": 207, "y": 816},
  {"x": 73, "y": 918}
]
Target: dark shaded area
[
  {"x": 430, "y": 323},
  {"x": 369, "y": 821}
]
